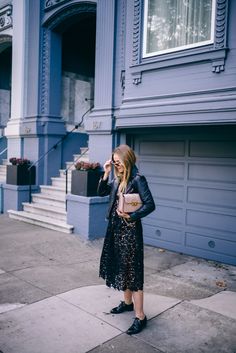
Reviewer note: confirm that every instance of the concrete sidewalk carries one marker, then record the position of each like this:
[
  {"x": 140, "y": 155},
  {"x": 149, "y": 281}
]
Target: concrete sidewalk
[{"x": 52, "y": 301}]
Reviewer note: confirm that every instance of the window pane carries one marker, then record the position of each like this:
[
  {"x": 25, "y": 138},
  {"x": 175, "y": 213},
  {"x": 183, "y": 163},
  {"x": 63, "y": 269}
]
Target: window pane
[{"x": 177, "y": 23}]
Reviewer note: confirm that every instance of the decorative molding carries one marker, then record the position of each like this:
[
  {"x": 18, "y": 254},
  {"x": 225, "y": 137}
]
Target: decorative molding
[
  {"x": 5, "y": 39},
  {"x": 221, "y": 24},
  {"x": 220, "y": 33},
  {"x": 122, "y": 45},
  {"x": 136, "y": 32},
  {"x": 218, "y": 65},
  {"x": 122, "y": 81},
  {"x": 214, "y": 53},
  {"x": 49, "y": 4},
  {"x": 137, "y": 78},
  {"x": 55, "y": 20},
  {"x": 45, "y": 71},
  {"x": 5, "y": 17}
]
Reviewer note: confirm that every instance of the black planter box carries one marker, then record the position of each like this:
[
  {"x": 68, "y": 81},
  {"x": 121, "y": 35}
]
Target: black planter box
[
  {"x": 19, "y": 175},
  {"x": 85, "y": 183}
]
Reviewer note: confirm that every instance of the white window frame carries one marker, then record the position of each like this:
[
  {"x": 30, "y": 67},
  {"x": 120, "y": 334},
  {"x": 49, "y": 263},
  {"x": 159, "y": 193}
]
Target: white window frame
[{"x": 171, "y": 50}]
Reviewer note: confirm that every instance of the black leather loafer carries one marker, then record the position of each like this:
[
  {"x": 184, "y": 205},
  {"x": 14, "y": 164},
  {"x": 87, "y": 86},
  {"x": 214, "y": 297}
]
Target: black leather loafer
[
  {"x": 122, "y": 307},
  {"x": 137, "y": 326}
]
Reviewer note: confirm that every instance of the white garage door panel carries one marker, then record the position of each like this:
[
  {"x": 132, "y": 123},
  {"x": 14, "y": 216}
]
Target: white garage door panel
[
  {"x": 163, "y": 234},
  {"x": 217, "y": 149},
  {"x": 212, "y": 173},
  {"x": 169, "y": 214},
  {"x": 212, "y": 197},
  {"x": 206, "y": 219},
  {"x": 219, "y": 246},
  {"x": 162, "y": 148},
  {"x": 167, "y": 192},
  {"x": 166, "y": 170}
]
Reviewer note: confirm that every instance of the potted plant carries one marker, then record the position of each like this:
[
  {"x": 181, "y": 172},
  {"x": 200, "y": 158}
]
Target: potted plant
[
  {"x": 18, "y": 172},
  {"x": 85, "y": 178}
]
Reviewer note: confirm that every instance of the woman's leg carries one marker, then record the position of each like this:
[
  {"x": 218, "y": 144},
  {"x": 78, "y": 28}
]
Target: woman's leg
[
  {"x": 128, "y": 296},
  {"x": 138, "y": 304}
]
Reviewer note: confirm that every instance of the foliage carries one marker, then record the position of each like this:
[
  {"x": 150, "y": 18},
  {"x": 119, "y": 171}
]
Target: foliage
[
  {"x": 19, "y": 161},
  {"x": 81, "y": 165}
]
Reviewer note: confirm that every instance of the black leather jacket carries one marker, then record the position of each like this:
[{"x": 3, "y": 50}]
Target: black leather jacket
[{"x": 136, "y": 184}]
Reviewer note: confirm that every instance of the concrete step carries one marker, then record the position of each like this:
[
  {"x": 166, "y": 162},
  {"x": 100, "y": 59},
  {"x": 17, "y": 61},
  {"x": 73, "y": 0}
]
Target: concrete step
[
  {"x": 61, "y": 183},
  {"x": 53, "y": 201},
  {"x": 45, "y": 210},
  {"x": 3, "y": 168},
  {"x": 84, "y": 158},
  {"x": 62, "y": 173},
  {"x": 84, "y": 149},
  {"x": 42, "y": 221},
  {"x": 5, "y": 162},
  {"x": 70, "y": 165},
  {"x": 52, "y": 190}
]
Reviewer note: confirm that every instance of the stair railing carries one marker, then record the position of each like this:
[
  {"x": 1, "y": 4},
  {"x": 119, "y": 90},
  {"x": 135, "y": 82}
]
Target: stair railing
[
  {"x": 53, "y": 148},
  {"x": 3, "y": 151}
]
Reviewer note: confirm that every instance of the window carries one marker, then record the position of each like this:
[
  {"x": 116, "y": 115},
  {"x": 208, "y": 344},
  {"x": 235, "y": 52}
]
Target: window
[{"x": 173, "y": 25}]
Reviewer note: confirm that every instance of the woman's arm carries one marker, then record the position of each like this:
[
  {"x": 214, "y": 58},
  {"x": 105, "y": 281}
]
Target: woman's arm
[
  {"x": 146, "y": 197},
  {"x": 104, "y": 188}
]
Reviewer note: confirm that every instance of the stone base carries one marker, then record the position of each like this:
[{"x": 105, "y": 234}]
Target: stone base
[
  {"x": 14, "y": 195},
  {"x": 87, "y": 215}
]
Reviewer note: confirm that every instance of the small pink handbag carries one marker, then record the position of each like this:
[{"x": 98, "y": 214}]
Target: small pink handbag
[{"x": 129, "y": 203}]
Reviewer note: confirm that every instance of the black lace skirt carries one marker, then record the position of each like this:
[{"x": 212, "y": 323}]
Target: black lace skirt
[{"x": 121, "y": 263}]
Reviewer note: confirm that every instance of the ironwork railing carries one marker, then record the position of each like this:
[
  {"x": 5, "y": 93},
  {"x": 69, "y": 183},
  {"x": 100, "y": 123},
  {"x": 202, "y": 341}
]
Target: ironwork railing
[{"x": 3, "y": 151}]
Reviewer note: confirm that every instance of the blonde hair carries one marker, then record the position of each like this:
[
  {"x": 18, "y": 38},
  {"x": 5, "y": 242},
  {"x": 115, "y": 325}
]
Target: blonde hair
[{"x": 128, "y": 159}]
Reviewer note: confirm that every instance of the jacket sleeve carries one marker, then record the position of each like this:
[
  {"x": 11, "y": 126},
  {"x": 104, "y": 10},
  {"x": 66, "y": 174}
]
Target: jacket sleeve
[
  {"x": 104, "y": 188},
  {"x": 146, "y": 197}
]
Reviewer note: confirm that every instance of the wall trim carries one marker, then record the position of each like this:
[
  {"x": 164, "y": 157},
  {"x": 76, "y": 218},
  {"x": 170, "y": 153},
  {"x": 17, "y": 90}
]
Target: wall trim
[{"x": 181, "y": 95}]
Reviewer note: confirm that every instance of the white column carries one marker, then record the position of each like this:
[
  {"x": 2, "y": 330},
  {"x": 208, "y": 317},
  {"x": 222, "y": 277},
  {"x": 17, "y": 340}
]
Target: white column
[
  {"x": 99, "y": 124},
  {"x": 19, "y": 66}
]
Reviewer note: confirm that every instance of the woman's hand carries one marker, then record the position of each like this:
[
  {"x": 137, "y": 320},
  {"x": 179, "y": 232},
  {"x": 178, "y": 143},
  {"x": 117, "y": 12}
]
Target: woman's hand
[
  {"x": 123, "y": 214},
  {"x": 107, "y": 169}
]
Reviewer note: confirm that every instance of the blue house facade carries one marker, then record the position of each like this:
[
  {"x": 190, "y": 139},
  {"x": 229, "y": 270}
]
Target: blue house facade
[{"x": 157, "y": 75}]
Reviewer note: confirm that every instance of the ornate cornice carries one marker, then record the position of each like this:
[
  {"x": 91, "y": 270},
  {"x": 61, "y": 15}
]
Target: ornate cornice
[
  {"x": 49, "y": 4},
  {"x": 5, "y": 17}
]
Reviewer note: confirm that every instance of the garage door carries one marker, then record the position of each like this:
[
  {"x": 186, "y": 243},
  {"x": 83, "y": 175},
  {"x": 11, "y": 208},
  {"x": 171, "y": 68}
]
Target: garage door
[{"x": 193, "y": 181}]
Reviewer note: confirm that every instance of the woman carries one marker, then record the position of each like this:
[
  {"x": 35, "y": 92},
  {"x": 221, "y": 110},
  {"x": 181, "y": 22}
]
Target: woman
[{"x": 121, "y": 262}]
